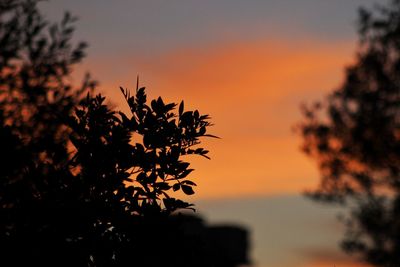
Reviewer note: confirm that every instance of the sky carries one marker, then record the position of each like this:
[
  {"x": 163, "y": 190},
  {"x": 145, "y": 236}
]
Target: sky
[{"x": 250, "y": 65}]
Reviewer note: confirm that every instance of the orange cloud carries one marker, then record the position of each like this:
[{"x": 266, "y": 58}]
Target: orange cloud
[
  {"x": 252, "y": 91},
  {"x": 271, "y": 69},
  {"x": 335, "y": 264},
  {"x": 330, "y": 258},
  {"x": 253, "y": 166}
]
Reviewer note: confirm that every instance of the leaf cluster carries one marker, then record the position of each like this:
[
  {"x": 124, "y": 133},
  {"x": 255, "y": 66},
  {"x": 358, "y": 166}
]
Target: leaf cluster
[{"x": 136, "y": 159}]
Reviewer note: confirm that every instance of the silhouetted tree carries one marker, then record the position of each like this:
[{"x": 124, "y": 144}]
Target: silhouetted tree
[
  {"x": 354, "y": 135},
  {"x": 126, "y": 165},
  {"x": 36, "y": 99},
  {"x": 110, "y": 205},
  {"x": 81, "y": 184},
  {"x": 36, "y": 60}
]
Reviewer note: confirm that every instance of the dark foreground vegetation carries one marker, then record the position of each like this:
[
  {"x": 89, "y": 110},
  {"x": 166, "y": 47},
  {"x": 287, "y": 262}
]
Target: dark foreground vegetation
[{"x": 82, "y": 184}]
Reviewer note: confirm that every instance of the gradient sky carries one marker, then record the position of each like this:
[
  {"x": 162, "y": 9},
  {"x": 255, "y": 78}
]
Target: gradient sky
[{"x": 249, "y": 64}]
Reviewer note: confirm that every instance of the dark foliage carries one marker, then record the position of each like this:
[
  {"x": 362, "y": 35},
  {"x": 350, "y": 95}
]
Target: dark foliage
[
  {"x": 109, "y": 205},
  {"x": 81, "y": 184},
  {"x": 36, "y": 99},
  {"x": 36, "y": 94},
  {"x": 107, "y": 158},
  {"x": 355, "y": 137}
]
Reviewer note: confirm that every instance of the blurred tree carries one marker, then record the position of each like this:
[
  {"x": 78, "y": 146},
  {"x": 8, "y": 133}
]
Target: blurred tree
[
  {"x": 354, "y": 135},
  {"x": 107, "y": 202},
  {"x": 36, "y": 93},
  {"x": 36, "y": 99}
]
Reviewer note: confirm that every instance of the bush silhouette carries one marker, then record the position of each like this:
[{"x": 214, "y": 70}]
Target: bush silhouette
[
  {"x": 82, "y": 184},
  {"x": 354, "y": 137}
]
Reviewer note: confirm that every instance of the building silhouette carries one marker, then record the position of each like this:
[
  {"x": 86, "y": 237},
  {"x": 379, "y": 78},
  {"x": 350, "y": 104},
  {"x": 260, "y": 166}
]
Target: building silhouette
[{"x": 220, "y": 245}]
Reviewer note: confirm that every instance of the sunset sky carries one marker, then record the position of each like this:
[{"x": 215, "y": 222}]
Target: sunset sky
[{"x": 249, "y": 64}]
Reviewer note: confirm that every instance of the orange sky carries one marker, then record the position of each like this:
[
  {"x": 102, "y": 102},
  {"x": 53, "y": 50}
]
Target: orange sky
[
  {"x": 326, "y": 259},
  {"x": 249, "y": 64},
  {"x": 328, "y": 263},
  {"x": 253, "y": 91}
]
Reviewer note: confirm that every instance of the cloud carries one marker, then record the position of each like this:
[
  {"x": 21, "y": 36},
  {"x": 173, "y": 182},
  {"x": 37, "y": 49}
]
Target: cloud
[
  {"x": 330, "y": 258},
  {"x": 252, "y": 89},
  {"x": 266, "y": 68}
]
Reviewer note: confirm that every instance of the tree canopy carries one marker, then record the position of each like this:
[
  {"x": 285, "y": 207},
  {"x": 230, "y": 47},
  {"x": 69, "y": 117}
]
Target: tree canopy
[{"x": 354, "y": 135}]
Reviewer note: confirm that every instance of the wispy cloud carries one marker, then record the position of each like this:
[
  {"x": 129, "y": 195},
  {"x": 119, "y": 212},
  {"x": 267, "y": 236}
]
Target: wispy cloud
[{"x": 252, "y": 91}]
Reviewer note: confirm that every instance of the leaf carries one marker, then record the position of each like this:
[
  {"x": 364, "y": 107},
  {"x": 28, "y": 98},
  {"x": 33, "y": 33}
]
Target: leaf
[
  {"x": 213, "y": 136},
  {"x": 185, "y": 173},
  {"x": 199, "y": 150},
  {"x": 163, "y": 186},
  {"x": 188, "y": 190},
  {"x": 202, "y": 130},
  {"x": 205, "y": 156},
  {"x": 125, "y": 119},
  {"x": 181, "y": 107},
  {"x": 196, "y": 114},
  {"x": 172, "y": 204},
  {"x": 189, "y": 182},
  {"x": 176, "y": 186},
  {"x": 147, "y": 140},
  {"x": 152, "y": 178},
  {"x": 161, "y": 173},
  {"x": 141, "y": 96},
  {"x": 186, "y": 118},
  {"x": 160, "y": 102},
  {"x": 141, "y": 177},
  {"x": 169, "y": 107},
  {"x": 155, "y": 106},
  {"x": 175, "y": 152},
  {"x": 125, "y": 93}
]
